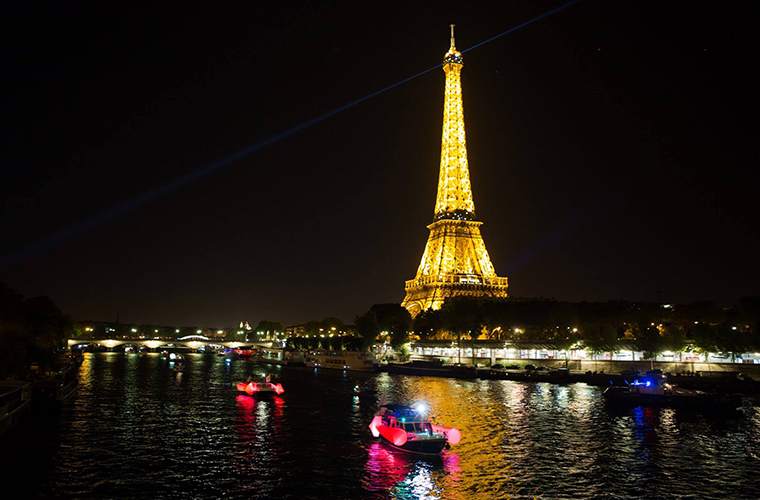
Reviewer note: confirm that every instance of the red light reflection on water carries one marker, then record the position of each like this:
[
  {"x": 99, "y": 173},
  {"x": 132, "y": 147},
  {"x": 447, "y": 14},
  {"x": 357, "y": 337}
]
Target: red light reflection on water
[
  {"x": 408, "y": 476},
  {"x": 258, "y": 431},
  {"x": 245, "y": 403}
]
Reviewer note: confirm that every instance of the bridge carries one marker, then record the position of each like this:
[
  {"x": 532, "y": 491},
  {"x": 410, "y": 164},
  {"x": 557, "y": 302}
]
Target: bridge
[{"x": 190, "y": 342}]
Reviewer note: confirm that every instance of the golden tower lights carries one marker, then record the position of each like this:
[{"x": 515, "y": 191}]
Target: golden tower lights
[{"x": 455, "y": 261}]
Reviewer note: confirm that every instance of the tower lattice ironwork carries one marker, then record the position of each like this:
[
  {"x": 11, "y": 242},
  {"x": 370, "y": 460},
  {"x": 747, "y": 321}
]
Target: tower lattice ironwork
[{"x": 455, "y": 261}]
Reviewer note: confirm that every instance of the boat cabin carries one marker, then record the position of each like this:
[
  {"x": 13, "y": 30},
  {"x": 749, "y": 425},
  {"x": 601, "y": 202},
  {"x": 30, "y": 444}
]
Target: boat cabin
[
  {"x": 407, "y": 420},
  {"x": 654, "y": 382}
]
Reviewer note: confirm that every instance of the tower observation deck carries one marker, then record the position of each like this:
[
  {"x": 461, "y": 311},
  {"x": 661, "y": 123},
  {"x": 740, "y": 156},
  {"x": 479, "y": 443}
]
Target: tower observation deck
[{"x": 455, "y": 261}]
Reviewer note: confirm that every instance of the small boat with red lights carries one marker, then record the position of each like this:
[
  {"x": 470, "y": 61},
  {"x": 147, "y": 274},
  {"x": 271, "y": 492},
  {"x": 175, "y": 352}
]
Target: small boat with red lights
[
  {"x": 409, "y": 429},
  {"x": 260, "y": 389}
]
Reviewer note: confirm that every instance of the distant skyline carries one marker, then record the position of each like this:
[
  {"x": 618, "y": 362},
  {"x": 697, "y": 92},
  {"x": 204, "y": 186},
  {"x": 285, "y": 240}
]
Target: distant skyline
[{"x": 609, "y": 149}]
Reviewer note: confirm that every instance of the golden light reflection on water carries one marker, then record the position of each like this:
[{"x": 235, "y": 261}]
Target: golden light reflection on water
[{"x": 470, "y": 407}]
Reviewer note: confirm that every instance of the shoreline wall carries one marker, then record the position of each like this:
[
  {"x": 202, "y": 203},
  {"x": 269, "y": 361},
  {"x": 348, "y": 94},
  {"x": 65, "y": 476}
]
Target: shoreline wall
[{"x": 674, "y": 367}]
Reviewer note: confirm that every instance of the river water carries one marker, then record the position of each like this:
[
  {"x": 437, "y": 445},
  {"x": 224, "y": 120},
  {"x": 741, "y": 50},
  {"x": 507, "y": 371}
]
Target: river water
[{"x": 136, "y": 429}]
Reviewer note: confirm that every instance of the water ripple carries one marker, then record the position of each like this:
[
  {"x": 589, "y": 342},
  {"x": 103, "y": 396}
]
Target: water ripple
[{"x": 139, "y": 430}]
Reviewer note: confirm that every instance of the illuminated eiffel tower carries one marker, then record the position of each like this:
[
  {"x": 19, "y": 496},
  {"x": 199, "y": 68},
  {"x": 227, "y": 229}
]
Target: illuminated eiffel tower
[{"x": 455, "y": 261}]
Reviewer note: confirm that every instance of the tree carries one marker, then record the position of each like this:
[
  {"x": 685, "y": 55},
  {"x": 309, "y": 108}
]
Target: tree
[
  {"x": 427, "y": 324},
  {"x": 31, "y": 331},
  {"x": 268, "y": 329},
  {"x": 331, "y": 325},
  {"x": 673, "y": 338},
  {"x": 749, "y": 314},
  {"x": 72, "y": 329},
  {"x": 563, "y": 319},
  {"x": 395, "y": 320},
  {"x": 597, "y": 338},
  {"x": 648, "y": 338},
  {"x": 368, "y": 328},
  {"x": 705, "y": 337},
  {"x": 312, "y": 328},
  {"x": 730, "y": 339},
  {"x": 463, "y": 316}
]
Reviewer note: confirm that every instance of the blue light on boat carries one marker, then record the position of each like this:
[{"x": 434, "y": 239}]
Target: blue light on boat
[{"x": 645, "y": 383}]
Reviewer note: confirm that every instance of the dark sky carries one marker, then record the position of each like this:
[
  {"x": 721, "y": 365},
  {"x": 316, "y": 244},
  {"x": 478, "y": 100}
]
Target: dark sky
[{"x": 612, "y": 151}]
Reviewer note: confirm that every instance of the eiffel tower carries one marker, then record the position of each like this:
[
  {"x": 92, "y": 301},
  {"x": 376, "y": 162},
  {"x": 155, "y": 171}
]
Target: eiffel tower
[{"x": 455, "y": 261}]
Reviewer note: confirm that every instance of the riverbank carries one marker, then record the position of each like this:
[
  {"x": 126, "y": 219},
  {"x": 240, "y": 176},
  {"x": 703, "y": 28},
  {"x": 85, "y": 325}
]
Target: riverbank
[
  {"x": 716, "y": 382},
  {"x": 19, "y": 399},
  {"x": 731, "y": 378},
  {"x": 584, "y": 365},
  {"x": 15, "y": 403}
]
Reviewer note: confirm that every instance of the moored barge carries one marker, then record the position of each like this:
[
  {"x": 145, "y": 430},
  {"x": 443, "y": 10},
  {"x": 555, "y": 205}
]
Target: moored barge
[{"x": 653, "y": 390}]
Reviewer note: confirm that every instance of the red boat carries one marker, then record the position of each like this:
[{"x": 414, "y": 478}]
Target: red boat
[
  {"x": 266, "y": 388},
  {"x": 408, "y": 429}
]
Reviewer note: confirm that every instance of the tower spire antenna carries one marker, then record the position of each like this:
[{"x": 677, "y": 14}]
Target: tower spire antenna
[{"x": 453, "y": 47}]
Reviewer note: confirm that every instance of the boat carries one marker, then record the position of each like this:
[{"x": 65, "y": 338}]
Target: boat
[
  {"x": 285, "y": 357},
  {"x": 228, "y": 353},
  {"x": 409, "y": 429},
  {"x": 363, "y": 361},
  {"x": 245, "y": 352},
  {"x": 364, "y": 391},
  {"x": 653, "y": 390},
  {"x": 433, "y": 368},
  {"x": 260, "y": 389}
]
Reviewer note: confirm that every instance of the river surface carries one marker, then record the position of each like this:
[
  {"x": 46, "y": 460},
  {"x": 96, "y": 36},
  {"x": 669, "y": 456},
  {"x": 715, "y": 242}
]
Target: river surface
[{"x": 137, "y": 429}]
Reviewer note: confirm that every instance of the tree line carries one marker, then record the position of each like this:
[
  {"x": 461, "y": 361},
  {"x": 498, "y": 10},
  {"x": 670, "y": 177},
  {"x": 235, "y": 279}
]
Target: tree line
[
  {"x": 652, "y": 327},
  {"x": 32, "y": 332},
  {"x": 596, "y": 326},
  {"x": 33, "y": 329}
]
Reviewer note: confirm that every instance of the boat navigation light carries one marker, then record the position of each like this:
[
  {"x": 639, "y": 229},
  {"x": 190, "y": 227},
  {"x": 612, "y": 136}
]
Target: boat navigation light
[{"x": 421, "y": 408}]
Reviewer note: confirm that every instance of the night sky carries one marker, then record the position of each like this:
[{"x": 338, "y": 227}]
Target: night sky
[{"x": 612, "y": 150}]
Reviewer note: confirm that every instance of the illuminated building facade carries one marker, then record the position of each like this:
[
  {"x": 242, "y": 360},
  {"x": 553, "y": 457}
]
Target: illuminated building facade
[{"x": 455, "y": 261}]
